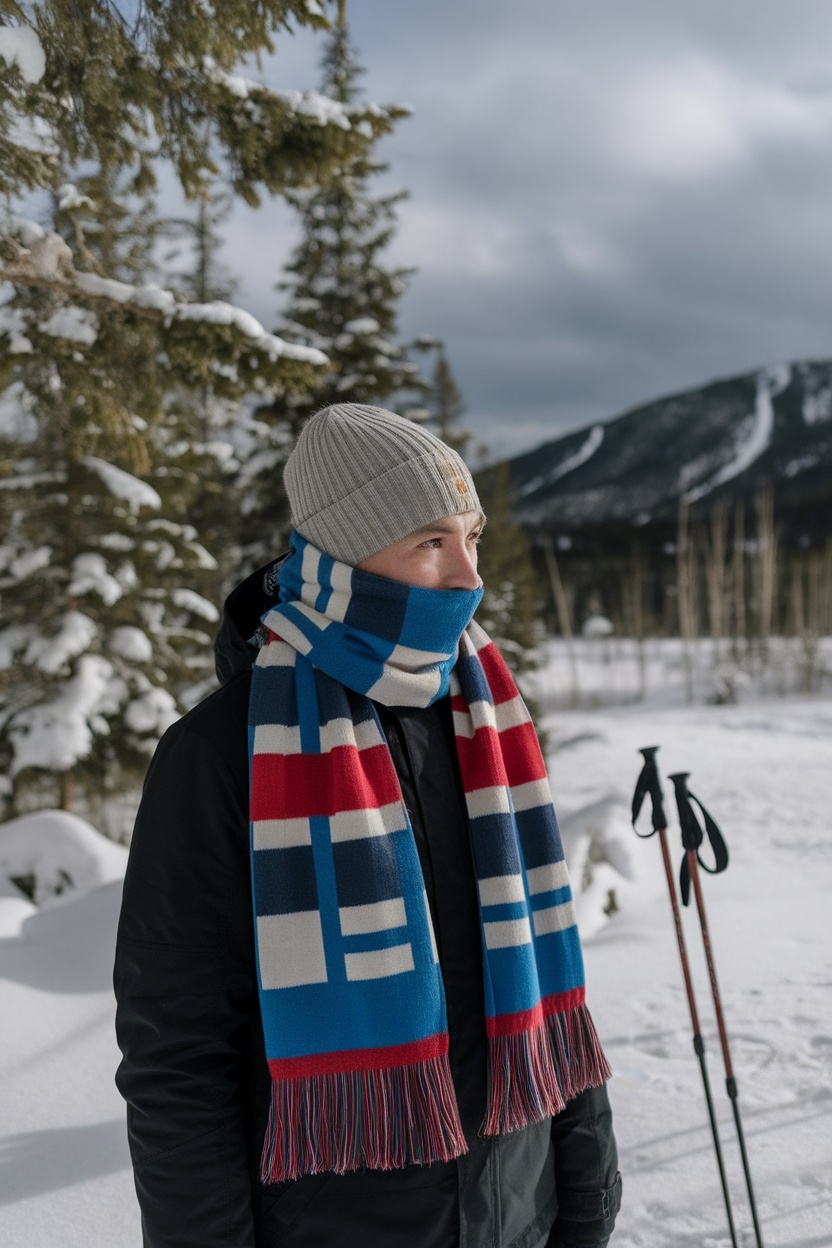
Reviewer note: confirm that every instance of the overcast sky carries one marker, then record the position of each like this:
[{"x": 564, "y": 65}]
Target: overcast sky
[{"x": 610, "y": 200}]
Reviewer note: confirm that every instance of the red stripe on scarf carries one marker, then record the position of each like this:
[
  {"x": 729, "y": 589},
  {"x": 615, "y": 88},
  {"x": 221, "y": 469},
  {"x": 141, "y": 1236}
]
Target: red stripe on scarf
[
  {"x": 500, "y": 680},
  {"x": 481, "y": 760},
  {"x": 525, "y": 1020},
  {"x": 300, "y": 786},
  {"x": 490, "y": 758},
  {"x": 359, "y": 1059},
  {"x": 521, "y": 754}
]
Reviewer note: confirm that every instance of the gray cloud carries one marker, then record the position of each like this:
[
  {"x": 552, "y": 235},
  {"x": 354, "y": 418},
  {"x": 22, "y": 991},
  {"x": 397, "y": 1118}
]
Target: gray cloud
[{"x": 609, "y": 201}]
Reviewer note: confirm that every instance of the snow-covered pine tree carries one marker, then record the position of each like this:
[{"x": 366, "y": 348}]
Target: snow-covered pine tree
[
  {"x": 126, "y": 85},
  {"x": 341, "y": 298},
  {"x": 100, "y": 587},
  {"x": 101, "y": 564},
  {"x": 211, "y": 426}
]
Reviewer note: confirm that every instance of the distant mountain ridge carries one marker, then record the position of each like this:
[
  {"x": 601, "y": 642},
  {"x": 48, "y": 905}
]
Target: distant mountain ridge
[{"x": 726, "y": 439}]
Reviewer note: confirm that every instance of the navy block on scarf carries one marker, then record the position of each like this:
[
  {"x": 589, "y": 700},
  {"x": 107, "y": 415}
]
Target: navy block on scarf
[
  {"x": 472, "y": 679},
  {"x": 333, "y": 702},
  {"x": 382, "y": 617},
  {"x": 495, "y": 849},
  {"x": 361, "y": 709},
  {"x": 367, "y": 870},
  {"x": 274, "y": 697},
  {"x": 539, "y": 836},
  {"x": 284, "y": 880}
]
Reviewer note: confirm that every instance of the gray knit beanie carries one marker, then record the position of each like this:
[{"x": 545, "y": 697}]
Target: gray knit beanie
[{"x": 361, "y": 478}]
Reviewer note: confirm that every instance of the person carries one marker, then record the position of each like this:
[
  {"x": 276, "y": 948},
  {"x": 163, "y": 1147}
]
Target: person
[{"x": 349, "y": 983}]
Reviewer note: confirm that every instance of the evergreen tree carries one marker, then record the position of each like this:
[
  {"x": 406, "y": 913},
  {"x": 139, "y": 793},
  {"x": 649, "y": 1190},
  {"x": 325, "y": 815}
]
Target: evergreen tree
[
  {"x": 209, "y": 422},
  {"x": 102, "y": 609},
  {"x": 342, "y": 299},
  {"x": 202, "y": 277},
  {"x": 112, "y": 388},
  {"x": 445, "y": 404},
  {"x": 124, "y": 86},
  {"x": 511, "y": 607}
]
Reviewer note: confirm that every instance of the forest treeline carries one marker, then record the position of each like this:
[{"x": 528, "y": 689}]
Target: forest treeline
[{"x": 749, "y": 609}]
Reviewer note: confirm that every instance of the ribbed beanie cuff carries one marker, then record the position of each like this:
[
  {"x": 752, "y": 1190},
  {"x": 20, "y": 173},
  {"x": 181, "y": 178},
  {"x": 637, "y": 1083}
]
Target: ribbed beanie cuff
[{"x": 361, "y": 478}]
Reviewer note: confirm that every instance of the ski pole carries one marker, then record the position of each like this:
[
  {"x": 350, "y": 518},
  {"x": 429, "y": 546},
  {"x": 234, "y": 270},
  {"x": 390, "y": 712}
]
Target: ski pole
[
  {"x": 650, "y": 784},
  {"x": 692, "y": 837}
]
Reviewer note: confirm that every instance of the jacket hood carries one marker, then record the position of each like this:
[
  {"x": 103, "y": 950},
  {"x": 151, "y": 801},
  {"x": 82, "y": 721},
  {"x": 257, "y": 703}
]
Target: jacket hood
[{"x": 238, "y": 640}]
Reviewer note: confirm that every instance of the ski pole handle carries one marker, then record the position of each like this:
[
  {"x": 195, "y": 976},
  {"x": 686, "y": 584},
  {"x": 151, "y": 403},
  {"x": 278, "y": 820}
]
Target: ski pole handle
[
  {"x": 649, "y": 783},
  {"x": 693, "y": 836}
]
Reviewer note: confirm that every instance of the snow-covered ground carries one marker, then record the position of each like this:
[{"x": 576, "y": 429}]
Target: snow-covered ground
[
  {"x": 761, "y": 767},
  {"x": 763, "y": 771}
]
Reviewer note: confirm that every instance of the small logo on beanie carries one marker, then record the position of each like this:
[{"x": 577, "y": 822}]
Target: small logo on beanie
[{"x": 462, "y": 488}]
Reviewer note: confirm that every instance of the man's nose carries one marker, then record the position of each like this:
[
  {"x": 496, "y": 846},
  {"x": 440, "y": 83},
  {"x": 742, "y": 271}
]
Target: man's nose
[{"x": 464, "y": 573}]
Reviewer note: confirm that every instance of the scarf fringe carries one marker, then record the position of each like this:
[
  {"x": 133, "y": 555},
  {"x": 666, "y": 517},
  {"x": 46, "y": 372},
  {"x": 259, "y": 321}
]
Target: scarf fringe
[
  {"x": 532, "y": 1074},
  {"x": 381, "y": 1119}
]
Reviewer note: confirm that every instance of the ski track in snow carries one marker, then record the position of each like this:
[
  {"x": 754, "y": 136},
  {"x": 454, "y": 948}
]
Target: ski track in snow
[
  {"x": 762, "y": 769},
  {"x": 584, "y": 453},
  {"x": 760, "y": 429}
]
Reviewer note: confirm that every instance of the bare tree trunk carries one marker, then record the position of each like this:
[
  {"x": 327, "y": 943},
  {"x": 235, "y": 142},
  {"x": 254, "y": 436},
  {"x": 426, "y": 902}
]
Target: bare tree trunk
[
  {"x": 766, "y": 569},
  {"x": 634, "y": 607},
  {"x": 67, "y": 790},
  {"x": 713, "y": 550},
  {"x": 797, "y": 605},
  {"x": 812, "y": 632},
  {"x": 825, "y": 603},
  {"x": 684, "y": 593},
  {"x": 563, "y": 613},
  {"x": 740, "y": 616}
]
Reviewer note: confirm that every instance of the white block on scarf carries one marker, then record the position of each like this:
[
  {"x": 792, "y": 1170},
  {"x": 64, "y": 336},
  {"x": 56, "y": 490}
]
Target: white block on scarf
[
  {"x": 554, "y": 919},
  {"x": 379, "y": 963},
  {"x": 376, "y": 916},
  {"x": 507, "y": 932},
  {"x": 499, "y": 890},
  {"x": 291, "y": 949},
  {"x": 281, "y": 833},
  {"x": 355, "y": 825},
  {"x": 488, "y": 802},
  {"x": 545, "y": 879}
]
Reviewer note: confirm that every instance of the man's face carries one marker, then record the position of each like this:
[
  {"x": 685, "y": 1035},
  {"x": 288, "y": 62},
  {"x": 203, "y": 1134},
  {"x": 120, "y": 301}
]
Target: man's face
[{"x": 442, "y": 555}]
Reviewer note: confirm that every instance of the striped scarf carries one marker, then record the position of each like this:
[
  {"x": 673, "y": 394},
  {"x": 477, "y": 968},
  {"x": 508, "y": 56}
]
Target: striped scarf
[{"x": 351, "y": 990}]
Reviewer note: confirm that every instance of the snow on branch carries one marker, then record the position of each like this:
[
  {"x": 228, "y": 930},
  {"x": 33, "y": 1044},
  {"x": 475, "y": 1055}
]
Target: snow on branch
[
  {"x": 189, "y": 600},
  {"x": 123, "y": 484},
  {"x": 31, "y": 256},
  {"x": 20, "y": 46},
  {"x": 321, "y": 108}
]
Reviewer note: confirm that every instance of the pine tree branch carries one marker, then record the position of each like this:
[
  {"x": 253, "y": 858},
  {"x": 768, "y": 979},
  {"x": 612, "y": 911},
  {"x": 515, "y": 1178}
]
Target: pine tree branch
[{"x": 44, "y": 261}]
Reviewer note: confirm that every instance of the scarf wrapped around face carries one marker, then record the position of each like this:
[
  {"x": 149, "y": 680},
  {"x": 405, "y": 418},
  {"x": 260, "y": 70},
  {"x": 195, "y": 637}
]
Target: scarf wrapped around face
[{"x": 351, "y": 991}]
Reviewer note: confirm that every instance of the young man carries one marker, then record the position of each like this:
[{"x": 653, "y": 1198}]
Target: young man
[{"x": 350, "y": 988}]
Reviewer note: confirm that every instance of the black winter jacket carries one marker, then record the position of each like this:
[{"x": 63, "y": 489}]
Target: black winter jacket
[{"x": 194, "y": 1073}]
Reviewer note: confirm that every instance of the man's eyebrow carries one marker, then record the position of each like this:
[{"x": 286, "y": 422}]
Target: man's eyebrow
[{"x": 447, "y": 528}]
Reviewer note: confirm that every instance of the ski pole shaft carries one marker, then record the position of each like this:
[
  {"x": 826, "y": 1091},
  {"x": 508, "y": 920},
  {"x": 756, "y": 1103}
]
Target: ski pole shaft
[
  {"x": 693, "y": 867},
  {"x": 680, "y": 935},
  {"x": 730, "y": 1081},
  {"x": 698, "y": 1042},
  {"x": 649, "y": 782},
  {"x": 692, "y": 838}
]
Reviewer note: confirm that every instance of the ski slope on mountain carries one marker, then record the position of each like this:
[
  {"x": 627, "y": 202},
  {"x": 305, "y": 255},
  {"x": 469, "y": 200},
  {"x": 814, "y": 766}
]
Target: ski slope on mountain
[{"x": 762, "y": 769}]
